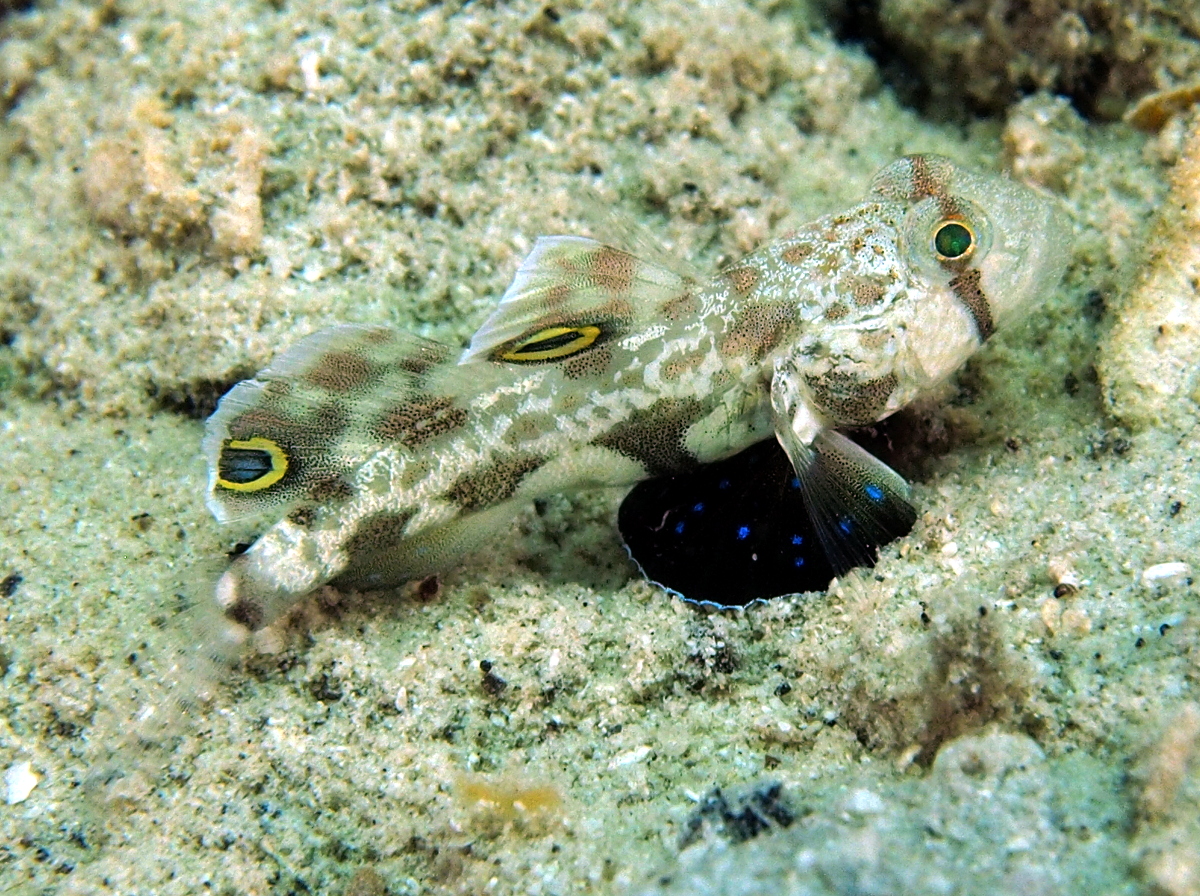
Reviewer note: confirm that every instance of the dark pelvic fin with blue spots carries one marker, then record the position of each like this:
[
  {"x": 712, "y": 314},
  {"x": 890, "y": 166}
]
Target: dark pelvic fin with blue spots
[
  {"x": 727, "y": 534},
  {"x": 741, "y": 530},
  {"x": 857, "y": 503}
]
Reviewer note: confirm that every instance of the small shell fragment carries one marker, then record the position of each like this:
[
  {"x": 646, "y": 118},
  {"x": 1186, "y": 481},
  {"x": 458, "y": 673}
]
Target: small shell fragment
[
  {"x": 1151, "y": 112},
  {"x": 1062, "y": 574},
  {"x": 864, "y": 802},
  {"x": 19, "y": 781},
  {"x": 637, "y": 754},
  {"x": 1166, "y": 574},
  {"x": 310, "y": 69}
]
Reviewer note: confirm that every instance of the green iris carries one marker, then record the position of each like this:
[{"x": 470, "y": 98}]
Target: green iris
[{"x": 953, "y": 240}]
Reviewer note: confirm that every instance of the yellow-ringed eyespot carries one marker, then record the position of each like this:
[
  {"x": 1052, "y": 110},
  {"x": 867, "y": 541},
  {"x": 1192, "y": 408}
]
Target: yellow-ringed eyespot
[
  {"x": 250, "y": 465},
  {"x": 551, "y": 344},
  {"x": 953, "y": 240}
]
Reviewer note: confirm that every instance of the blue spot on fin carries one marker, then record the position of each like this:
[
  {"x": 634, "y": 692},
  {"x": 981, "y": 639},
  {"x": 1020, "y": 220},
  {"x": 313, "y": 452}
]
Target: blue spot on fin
[{"x": 856, "y": 502}]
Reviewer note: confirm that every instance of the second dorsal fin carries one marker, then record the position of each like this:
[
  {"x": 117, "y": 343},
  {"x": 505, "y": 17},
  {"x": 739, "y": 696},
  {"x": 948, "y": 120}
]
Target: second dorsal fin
[{"x": 296, "y": 433}]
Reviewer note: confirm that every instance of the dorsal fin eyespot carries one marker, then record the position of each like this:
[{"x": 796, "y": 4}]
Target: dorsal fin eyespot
[
  {"x": 250, "y": 465},
  {"x": 551, "y": 344},
  {"x": 300, "y": 429},
  {"x": 566, "y": 288}
]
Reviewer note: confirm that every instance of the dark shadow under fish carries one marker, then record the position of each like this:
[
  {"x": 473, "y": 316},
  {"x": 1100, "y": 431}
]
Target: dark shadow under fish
[{"x": 737, "y": 531}]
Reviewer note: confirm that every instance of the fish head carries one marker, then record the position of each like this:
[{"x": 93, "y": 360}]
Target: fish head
[
  {"x": 917, "y": 277},
  {"x": 977, "y": 252}
]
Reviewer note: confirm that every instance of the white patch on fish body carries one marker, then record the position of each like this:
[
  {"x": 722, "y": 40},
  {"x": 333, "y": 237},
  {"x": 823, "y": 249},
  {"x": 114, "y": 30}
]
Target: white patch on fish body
[
  {"x": 637, "y": 340},
  {"x": 387, "y": 457}
]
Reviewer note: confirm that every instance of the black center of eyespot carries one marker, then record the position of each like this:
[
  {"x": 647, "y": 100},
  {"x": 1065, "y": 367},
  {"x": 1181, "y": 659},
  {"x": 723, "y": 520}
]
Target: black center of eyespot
[
  {"x": 953, "y": 240},
  {"x": 244, "y": 465}
]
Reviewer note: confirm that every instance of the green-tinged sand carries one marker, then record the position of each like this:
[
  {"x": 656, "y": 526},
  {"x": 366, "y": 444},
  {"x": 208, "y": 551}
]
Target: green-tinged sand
[{"x": 1007, "y": 703}]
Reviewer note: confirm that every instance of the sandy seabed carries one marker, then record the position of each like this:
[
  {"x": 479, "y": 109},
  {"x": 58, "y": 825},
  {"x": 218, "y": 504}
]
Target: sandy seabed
[{"x": 1005, "y": 704}]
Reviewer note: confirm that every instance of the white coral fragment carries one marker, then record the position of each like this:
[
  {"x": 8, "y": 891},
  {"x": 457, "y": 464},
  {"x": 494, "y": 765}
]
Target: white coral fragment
[
  {"x": 19, "y": 781},
  {"x": 1166, "y": 574}
]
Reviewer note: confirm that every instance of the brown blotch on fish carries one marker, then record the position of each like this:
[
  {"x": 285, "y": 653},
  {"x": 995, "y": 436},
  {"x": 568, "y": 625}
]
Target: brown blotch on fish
[
  {"x": 317, "y": 430},
  {"x": 673, "y": 370},
  {"x": 949, "y": 207},
  {"x": 493, "y": 484},
  {"x": 274, "y": 390},
  {"x": 262, "y": 422},
  {"x": 613, "y": 269},
  {"x": 377, "y": 533},
  {"x": 340, "y": 372},
  {"x": 836, "y": 311},
  {"x": 743, "y": 279},
  {"x": 797, "y": 252},
  {"x": 850, "y": 400},
  {"x": 424, "y": 358},
  {"x": 618, "y": 313},
  {"x": 682, "y": 306},
  {"x": 557, "y": 294},
  {"x": 530, "y": 426},
  {"x": 588, "y": 363},
  {"x": 380, "y": 335},
  {"x": 677, "y": 367},
  {"x": 925, "y": 180},
  {"x": 413, "y": 423},
  {"x": 654, "y": 436},
  {"x": 329, "y": 489},
  {"x": 756, "y": 330},
  {"x": 302, "y": 516},
  {"x": 867, "y": 293},
  {"x": 968, "y": 289}
]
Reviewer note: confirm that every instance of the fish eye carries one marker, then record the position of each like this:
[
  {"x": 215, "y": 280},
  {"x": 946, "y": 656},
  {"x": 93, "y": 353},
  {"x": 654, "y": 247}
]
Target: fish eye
[
  {"x": 943, "y": 236},
  {"x": 953, "y": 241}
]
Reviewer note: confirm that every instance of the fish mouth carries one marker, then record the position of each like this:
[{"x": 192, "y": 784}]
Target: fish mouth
[{"x": 1030, "y": 253}]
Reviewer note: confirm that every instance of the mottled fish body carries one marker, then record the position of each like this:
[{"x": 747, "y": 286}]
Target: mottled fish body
[{"x": 386, "y": 456}]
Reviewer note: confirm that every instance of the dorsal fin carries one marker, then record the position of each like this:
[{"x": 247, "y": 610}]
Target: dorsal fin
[
  {"x": 606, "y": 223},
  {"x": 568, "y": 289},
  {"x": 297, "y": 431}
]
